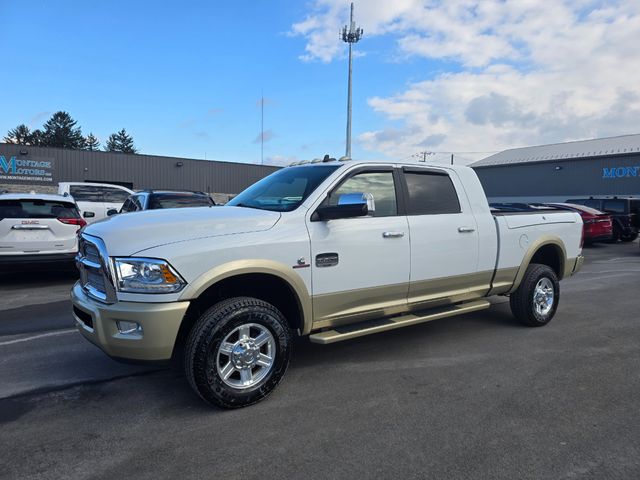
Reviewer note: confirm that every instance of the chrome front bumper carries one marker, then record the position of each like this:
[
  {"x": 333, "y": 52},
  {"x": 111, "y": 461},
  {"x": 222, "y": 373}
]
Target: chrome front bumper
[{"x": 155, "y": 340}]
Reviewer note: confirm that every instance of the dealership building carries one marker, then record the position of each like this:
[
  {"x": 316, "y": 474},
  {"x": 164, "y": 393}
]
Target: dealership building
[
  {"x": 554, "y": 173},
  {"x": 24, "y": 168}
]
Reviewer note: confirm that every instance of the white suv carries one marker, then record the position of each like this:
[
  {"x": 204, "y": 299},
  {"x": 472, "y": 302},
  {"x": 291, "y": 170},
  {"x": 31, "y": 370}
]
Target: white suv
[
  {"x": 95, "y": 199},
  {"x": 37, "y": 229}
]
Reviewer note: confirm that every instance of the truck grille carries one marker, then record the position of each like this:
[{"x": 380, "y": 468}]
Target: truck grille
[{"x": 95, "y": 270}]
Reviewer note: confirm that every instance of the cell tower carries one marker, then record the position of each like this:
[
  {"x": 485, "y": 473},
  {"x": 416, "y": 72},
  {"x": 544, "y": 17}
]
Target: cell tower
[{"x": 350, "y": 34}]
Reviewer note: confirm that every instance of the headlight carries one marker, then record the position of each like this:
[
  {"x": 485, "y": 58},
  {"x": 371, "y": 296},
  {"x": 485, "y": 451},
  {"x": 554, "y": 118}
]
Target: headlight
[{"x": 146, "y": 275}]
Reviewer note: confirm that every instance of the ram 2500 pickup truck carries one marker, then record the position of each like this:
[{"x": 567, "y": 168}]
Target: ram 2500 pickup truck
[{"x": 331, "y": 250}]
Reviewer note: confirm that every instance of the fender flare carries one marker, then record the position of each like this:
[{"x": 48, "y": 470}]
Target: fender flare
[
  {"x": 248, "y": 266},
  {"x": 533, "y": 249}
]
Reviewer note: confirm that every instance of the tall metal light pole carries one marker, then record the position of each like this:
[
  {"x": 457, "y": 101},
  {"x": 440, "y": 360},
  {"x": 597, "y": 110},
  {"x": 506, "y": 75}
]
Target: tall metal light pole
[{"x": 350, "y": 34}]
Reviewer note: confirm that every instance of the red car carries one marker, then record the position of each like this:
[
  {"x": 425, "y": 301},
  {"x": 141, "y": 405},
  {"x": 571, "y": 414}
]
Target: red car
[{"x": 597, "y": 225}]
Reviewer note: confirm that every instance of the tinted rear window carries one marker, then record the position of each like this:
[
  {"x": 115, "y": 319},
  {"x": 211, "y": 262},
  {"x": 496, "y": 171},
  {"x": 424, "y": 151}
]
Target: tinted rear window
[
  {"x": 96, "y": 193},
  {"x": 82, "y": 193},
  {"x": 114, "y": 195},
  {"x": 37, "y": 209},
  {"x": 615, "y": 206},
  {"x": 178, "y": 200},
  {"x": 431, "y": 194}
]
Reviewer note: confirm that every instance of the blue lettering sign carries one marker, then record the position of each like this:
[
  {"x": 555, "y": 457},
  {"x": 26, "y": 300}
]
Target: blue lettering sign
[
  {"x": 26, "y": 170},
  {"x": 620, "y": 172},
  {"x": 7, "y": 167}
]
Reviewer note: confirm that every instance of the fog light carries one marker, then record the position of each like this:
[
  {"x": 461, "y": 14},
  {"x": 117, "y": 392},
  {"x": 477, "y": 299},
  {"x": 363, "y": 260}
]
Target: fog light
[{"x": 127, "y": 328}]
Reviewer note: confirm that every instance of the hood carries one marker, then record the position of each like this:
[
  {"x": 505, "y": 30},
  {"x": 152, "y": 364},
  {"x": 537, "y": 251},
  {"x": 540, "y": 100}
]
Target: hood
[{"x": 129, "y": 233}]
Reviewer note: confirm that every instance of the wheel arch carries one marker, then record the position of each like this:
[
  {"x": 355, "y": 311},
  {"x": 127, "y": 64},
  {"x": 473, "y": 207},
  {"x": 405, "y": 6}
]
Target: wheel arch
[
  {"x": 268, "y": 280},
  {"x": 547, "y": 250}
]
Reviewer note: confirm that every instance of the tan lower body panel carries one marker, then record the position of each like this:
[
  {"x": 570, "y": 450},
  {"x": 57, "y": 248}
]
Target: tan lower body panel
[
  {"x": 355, "y": 305},
  {"x": 343, "y": 308},
  {"x": 368, "y": 328},
  {"x": 448, "y": 290},
  {"x": 503, "y": 281}
]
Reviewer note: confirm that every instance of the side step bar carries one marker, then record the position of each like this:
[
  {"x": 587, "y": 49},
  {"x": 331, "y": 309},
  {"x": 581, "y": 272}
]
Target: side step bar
[{"x": 355, "y": 330}]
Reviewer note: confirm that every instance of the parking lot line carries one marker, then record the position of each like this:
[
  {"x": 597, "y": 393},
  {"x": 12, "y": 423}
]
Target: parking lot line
[{"x": 35, "y": 337}]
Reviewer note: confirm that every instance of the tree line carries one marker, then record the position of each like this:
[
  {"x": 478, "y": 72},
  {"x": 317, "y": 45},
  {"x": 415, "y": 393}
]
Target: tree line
[{"x": 61, "y": 131}]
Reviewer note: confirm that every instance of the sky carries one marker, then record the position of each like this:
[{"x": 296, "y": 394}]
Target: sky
[{"x": 454, "y": 76}]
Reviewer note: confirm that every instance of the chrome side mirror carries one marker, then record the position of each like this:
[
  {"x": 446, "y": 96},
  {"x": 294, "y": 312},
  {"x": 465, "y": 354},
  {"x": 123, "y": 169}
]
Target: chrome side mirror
[{"x": 359, "y": 198}]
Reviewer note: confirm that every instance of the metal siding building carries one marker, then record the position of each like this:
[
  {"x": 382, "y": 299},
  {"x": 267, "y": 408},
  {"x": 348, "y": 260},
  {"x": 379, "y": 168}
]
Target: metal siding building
[
  {"x": 138, "y": 171},
  {"x": 606, "y": 166}
]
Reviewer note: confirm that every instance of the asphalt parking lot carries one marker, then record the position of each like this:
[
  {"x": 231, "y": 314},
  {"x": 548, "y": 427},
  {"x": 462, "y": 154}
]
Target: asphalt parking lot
[{"x": 476, "y": 396}]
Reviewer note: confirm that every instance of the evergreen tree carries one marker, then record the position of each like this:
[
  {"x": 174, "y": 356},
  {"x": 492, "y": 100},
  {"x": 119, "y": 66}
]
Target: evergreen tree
[
  {"x": 120, "y": 142},
  {"x": 91, "y": 143},
  {"x": 61, "y": 131},
  {"x": 36, "y": 137},
  {"x": 21, "y": 135}
]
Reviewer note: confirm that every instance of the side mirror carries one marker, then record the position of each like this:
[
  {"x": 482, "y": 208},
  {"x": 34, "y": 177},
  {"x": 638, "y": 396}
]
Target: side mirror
[
  {"x": 358, "y": 198},
  {"x": 349, "y": 205},
  {"x": 88, "y": 214},
  {"x": 111, "y": 212}
]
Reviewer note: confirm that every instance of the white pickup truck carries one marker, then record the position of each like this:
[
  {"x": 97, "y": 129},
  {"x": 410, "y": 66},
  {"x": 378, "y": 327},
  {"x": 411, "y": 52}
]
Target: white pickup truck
[{"x": 332, "y": 250}]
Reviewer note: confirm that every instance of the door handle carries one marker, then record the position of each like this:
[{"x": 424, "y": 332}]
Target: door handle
[
  {"x": 393, "y": 234},
  {"x": 466, "y": 229}
]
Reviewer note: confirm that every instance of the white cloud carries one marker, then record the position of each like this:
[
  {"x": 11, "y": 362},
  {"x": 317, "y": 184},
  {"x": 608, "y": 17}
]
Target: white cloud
[{"x": 527, "y": 71}]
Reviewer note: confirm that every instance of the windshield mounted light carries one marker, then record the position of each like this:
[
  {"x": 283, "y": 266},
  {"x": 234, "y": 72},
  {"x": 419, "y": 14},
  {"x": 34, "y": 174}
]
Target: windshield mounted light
[{"x": 146, "y": 275}]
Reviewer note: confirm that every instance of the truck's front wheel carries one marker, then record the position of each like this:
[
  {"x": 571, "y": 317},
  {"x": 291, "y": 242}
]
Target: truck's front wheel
[
  {"x": 237, "y": 352},
  {"x": 535, "y": 301}
]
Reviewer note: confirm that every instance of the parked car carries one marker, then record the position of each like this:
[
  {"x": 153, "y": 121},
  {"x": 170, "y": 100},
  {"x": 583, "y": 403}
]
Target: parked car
[
  {"x": 333, "y": 250},
  {"x": 625, "y": 214},
  {"x": 38, "y": 229},
  {"x": 598, "y": 226},
  {"x": 95, "y": 199},
  {"x": 159, "y": 199}
]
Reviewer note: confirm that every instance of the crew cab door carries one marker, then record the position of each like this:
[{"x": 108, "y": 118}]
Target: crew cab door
[
  {"x": 360, "y": 265},
  {"x": 444, "y": 239}
]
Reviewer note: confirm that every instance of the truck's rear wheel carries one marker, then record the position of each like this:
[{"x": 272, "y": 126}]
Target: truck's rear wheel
[
  {"x": 237, "y": 352},
  {"x": 535, "y": 301}
]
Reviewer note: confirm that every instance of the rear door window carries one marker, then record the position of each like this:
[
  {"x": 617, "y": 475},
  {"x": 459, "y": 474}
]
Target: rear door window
[
  {"x": 114, "y": 195},
  {"x": 85, "y": 193},
  {"x": 430, "y": 193}
]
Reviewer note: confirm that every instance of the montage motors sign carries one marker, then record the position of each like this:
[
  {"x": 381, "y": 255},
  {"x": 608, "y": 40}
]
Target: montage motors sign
[
  {"x": 26, "y": 170},
  {"x": 620, "y": 172}
]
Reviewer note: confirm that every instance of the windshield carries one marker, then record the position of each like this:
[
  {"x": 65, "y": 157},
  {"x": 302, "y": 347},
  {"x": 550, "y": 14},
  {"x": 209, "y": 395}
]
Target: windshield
[{"x": 284, "y": 190}]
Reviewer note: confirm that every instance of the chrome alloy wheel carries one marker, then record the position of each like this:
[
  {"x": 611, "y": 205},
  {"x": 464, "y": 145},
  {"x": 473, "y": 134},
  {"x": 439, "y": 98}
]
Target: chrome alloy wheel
[
  {"x": 246, "y": 355},
  {"x": 543, "y": 296}
]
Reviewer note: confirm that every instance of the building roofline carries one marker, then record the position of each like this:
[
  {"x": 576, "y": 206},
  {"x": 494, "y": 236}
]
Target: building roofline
[{"x": 139, "y": 155}]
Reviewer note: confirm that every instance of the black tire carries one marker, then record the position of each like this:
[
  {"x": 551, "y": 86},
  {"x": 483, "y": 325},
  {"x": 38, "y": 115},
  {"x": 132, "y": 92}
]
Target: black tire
[
  {"x": 630, "y": 237},
  {"x": 202, "y": 351},
  {"x": 616, "y": 234},
  {"x": 522, "y": 301}
]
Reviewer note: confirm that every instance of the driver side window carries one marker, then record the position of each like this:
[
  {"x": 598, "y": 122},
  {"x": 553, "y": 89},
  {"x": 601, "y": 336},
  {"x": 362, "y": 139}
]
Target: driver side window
[{"x": 378, "y": 184}]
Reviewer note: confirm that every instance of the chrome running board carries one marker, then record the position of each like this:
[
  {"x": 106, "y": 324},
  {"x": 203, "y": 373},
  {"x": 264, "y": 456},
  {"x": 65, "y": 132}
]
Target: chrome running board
[{"x": 347, "y": 332}]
